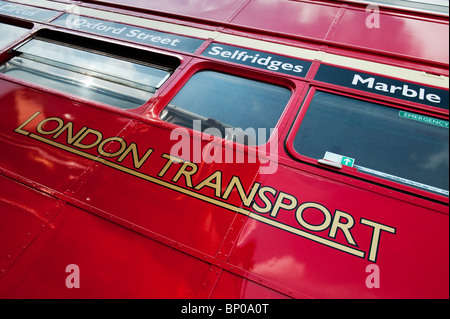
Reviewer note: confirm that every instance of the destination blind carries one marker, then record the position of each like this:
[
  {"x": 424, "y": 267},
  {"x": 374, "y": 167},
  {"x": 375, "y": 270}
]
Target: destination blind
[
  {"x": 258, "y": 59},
  {"x": 367, "y": 82},
  {"x": 27, "y": 12},
  {"x": 130, "y": 33}
]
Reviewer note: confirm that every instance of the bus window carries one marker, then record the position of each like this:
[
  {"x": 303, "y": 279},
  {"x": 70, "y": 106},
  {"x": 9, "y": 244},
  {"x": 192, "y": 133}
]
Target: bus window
[
  {"x": 386, "y": 142},
  {"x": 240, "y": 109},
  {"x": 10, "y": 33},
  {"x": 119, "y": 82}
]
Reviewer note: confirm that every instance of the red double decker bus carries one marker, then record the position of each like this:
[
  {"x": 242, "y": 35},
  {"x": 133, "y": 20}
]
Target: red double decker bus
[{"x": 238, "y": 149}]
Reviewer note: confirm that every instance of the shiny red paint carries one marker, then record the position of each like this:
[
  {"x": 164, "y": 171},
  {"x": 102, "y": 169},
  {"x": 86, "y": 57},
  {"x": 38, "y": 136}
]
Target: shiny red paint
[
  {"x": 209, "y": 10},
  {"x": 105, "y": 254},
  {"x": 330, "y": 22},
  {"x": 320, "y": 271},
  {"x": 289, "y": 17},
  {"x": 142, "y": 233},
  {"x": 40, "y": 163},
  {"x": 413, "y": 37}
]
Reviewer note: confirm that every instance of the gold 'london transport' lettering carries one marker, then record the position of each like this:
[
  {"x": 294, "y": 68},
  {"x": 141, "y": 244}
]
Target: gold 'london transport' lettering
[
  {"x": 79, "y": 138},
  {"x": 262, "y": 203}
]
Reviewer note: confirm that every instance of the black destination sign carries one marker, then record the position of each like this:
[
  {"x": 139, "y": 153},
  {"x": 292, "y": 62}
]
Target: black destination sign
[
  {"x": 384, "y": 86},
  {"x": 258, "y": 59}
]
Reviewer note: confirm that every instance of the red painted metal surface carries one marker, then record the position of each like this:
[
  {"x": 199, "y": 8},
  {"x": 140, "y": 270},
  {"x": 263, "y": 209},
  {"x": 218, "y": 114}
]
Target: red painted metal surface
[
  {"x": 40, "y": 163},
  {"x": 141, "y": 226},
  {"x": 413, "y": 37},
  {"x": 114, "y": 262},
  {"x": 289, "y": 17},
  {"x": 24, "y": 213},
  {"x": 209, "y": 10},
  {"x": 323, "y": 271},
  {"x": 231, "y": 286}
]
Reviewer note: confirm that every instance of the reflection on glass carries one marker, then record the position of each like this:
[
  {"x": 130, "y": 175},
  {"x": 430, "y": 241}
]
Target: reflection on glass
[
  {"x": 224, "y": 101},
  {"x": 397, "y": 145},
  {"x": 109, "y": 80},
  {"x": 10, "y": 33}
]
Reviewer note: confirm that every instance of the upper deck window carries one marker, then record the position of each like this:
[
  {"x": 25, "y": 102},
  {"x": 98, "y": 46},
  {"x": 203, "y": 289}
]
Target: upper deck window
[
  {"x": 91, "y": 74},
  {"x": 229, "y": 104},
  {"x": 10, "y": 33},
  {"x": 404, "y": 147}
]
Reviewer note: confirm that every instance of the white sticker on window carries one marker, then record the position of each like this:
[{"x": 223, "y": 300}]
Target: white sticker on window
[{"x": 337, "y": 158}]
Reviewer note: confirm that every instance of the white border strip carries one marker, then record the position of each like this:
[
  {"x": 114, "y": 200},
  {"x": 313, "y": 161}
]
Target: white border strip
[{"x": 388, "y": 70}]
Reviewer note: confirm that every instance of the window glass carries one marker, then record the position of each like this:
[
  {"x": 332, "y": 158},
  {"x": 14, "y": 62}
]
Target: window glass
[
  {"x": 10, "y": 33},
  {"x": 401, "y": 146},
  {"x": 228, "y": 103},
  {"x": 88, "y": 74}
]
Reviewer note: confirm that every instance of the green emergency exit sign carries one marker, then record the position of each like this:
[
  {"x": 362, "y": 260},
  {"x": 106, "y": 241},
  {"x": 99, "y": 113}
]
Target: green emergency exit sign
[{"x": 424, "y": 119}]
